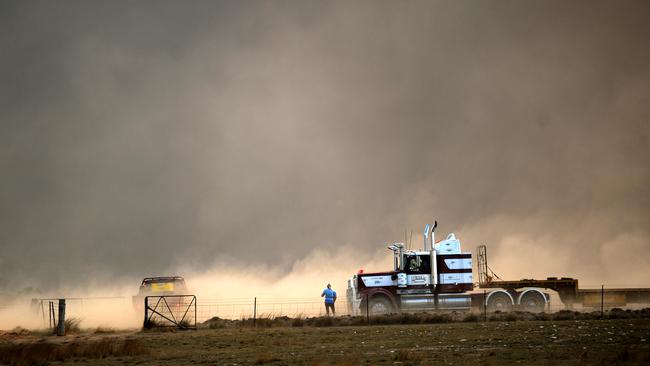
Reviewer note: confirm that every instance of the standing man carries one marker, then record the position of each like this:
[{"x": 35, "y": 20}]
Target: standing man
[{"x": 330, "y": 299}]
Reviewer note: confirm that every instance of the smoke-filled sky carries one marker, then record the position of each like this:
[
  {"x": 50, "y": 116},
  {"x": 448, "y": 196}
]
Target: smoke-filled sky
[{"x": 150, "y": 138}]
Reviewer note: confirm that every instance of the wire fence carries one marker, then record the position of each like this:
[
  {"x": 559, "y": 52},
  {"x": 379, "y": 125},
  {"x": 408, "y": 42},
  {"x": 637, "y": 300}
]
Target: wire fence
[
  {"x": 47, "y": 309},
  {"x": 243, "y": 308}
]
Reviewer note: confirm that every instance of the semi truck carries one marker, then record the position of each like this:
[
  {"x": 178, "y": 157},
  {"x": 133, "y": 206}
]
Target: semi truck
[{"x": 439, "y": 277}]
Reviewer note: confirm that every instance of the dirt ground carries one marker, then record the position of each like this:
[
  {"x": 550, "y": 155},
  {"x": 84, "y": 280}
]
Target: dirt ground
[{"x": 571, "y": 342}]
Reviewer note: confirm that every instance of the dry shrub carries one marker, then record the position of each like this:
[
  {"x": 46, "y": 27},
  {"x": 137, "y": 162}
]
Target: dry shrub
[
  {"x": 324, "y": 321},
  {"x": 566, "y": 315},
  {"x": 513, "y": 316},
  {"x": 410, "y": 318},
  {"x": 218, "y": 323},
  {"x": 402, "y": 318},
  {"x": 158, "y": 325},
  {"x": 262, "y": 321},
  {"x": 386, "y": 319},
  {"x": 42, "y": 353},
  {"x": 618, "y": 313},
  {"x": 269, "y": 320},
  {"x": 185, "y": 324},
  {"x": 437, "y": 318},
  {"x": 263, "y": 358},
  {"x": 265, "y": 321},
  {"x": 542, "y": 316},
  {"x": 358, "y": 320},
  {"x": 298, "y": 321},
  {"x": 151, "y": 324},
  {"x": 72, "y": 325}
]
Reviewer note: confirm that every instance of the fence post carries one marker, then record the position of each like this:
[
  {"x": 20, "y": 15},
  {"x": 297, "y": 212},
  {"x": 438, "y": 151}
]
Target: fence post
[
  {"x": 60, "y": 329},
  {"x": 367, "y": 309},
  {"x": 43, "y": 311},
  {"x": 255, "y": 312},
  {"x": 485, "y": 305},
  {"x": 50, "y": 311},
  {"x": 145, "y": 323},
  {"x": 602, "y": 301}
]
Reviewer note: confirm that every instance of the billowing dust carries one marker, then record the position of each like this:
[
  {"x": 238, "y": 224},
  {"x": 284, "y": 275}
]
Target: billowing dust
[{"x": 111, "y": 306}]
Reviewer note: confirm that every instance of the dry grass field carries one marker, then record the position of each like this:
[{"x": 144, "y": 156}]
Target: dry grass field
[{"x": 497, "y": 342}]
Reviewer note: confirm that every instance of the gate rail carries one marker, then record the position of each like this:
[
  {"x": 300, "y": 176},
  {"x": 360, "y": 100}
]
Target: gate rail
[{"x": 162, "y": 314}]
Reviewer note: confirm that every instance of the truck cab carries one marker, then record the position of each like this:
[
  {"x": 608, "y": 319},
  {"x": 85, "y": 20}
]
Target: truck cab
[
  {"x": 439, "y": 277},
  {"x": 436, "y": 277}
]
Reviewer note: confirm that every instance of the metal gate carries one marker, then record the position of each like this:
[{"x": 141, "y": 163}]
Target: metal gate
[{"x": 170, "y": 311}]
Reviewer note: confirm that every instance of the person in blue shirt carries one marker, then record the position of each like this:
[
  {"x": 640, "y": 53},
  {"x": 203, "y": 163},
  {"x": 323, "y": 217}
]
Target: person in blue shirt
[{"x": 330, "y": 299}]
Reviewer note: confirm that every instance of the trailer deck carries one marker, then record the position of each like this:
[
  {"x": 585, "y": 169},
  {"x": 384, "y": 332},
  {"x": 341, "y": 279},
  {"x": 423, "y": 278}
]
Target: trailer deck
[{"x": 566, "y": 287}]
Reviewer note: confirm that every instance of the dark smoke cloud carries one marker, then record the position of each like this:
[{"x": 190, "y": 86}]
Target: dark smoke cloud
[{"x": 141, "y": 137}]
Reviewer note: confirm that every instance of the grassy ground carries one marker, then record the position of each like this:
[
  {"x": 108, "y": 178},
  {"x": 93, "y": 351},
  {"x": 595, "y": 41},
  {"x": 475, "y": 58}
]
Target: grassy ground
[{"x": 550, "y": 342}]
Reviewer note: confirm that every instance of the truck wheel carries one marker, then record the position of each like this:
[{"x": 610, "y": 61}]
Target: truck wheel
[
  {"x": 499, "y": 301},
  {"x": 533, "y": 302},
  {"x": 380, "y": 306}
]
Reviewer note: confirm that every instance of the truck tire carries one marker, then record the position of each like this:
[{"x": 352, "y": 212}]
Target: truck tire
[
  {"x": 532, "y": 301},
  {"x": 380, "y": 305},
  {"x": 499, "y": 301}
]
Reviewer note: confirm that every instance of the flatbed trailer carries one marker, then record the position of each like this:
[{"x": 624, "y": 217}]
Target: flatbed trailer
[{"x": 567, "y": 288}]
